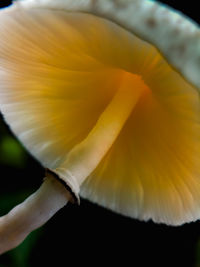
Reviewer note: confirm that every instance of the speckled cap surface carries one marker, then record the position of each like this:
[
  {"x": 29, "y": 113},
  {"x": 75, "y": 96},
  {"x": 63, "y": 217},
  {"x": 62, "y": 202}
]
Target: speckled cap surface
[{"x": 176, "y": 36}]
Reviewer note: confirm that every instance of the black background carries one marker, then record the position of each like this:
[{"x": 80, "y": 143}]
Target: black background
[{"x": 90, "y": 234}]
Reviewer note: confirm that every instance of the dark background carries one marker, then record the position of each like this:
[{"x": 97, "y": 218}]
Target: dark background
[{"x": 89, "y": 234}]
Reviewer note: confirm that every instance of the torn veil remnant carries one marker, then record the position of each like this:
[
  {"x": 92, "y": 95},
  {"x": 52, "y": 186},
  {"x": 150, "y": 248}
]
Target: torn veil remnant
[{"x": 85, "y": 89}]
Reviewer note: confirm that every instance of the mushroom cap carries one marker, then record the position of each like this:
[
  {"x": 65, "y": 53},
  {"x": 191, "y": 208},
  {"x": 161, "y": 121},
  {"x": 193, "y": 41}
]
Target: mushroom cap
[
  {"x": 58, "y": 74},
  {"x": 174, "y": 34}
]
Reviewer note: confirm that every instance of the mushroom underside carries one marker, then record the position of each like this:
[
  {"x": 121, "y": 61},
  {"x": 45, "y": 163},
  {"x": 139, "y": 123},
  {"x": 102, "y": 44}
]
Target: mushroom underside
[{"x": 59, "y": 72}]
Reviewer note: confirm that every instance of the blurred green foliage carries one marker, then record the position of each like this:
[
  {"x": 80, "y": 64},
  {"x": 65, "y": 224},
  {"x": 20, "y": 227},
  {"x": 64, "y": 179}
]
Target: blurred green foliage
[
  {"x": 12, "y": 153},
  {"x": 197, "y": 259},
  {"x": 14, "y": 156},
  {"x": 20, "y": 257}
]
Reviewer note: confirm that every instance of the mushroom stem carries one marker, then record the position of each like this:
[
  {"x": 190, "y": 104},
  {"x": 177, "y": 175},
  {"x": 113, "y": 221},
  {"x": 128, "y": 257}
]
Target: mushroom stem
[
  {"x": 85, "y": 156},
  {"x": 81, "y": 161},
  {"x": 32, "y": 213}
]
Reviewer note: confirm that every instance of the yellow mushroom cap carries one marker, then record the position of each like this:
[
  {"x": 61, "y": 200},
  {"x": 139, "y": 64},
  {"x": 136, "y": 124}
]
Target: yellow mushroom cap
[{"x": 59, "y": 70}]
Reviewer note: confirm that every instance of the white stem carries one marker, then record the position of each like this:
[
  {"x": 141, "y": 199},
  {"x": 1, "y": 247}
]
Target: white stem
[
  {"x": 32, "y": 213},
  {"x": 82, "y": 160}
]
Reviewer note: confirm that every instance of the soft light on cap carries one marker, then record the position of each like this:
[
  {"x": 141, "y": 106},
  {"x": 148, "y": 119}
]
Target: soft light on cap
[{"x": 102, "y": 109}]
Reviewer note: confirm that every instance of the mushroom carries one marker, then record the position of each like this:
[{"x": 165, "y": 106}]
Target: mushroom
[{"x": 104, "y": 94}]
